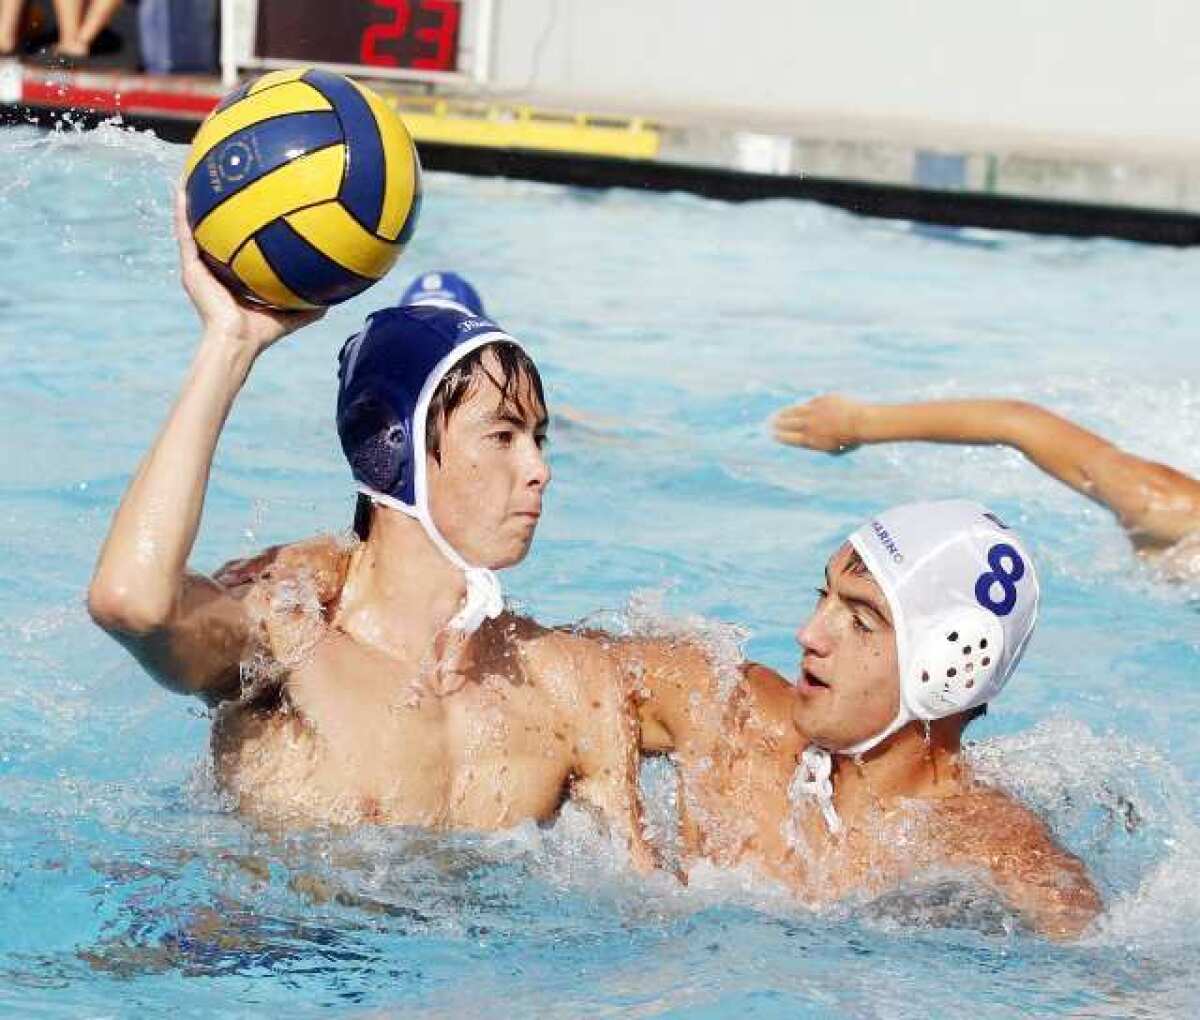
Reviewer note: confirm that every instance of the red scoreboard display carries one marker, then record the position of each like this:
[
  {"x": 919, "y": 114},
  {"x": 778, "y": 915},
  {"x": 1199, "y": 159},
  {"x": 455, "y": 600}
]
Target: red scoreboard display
[{"x": 396, "y": 35}]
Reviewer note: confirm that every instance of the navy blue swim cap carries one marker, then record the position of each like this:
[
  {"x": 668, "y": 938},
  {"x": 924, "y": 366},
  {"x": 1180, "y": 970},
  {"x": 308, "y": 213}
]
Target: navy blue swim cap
[
  {"x": 387, "y": 376},
  {"x": 441, "y": 287}
]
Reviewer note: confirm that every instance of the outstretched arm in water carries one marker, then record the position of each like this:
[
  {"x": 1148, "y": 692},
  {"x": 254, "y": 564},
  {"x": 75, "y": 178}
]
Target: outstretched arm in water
[
  {"x": 601, "y": 723},
  {"x": 1156, "y": 504},
  {"x": 1049, "y": 888},
  {"x": 189, "y": 631}
]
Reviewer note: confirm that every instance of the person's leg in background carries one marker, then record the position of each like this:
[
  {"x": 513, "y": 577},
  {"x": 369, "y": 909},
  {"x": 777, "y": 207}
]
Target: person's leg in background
[
  {"x": 76, "y": 30},
  {"x": 67, "y": 15},
  {"x": 10, "y": 25},
  {"x": 99, "y": 14}
]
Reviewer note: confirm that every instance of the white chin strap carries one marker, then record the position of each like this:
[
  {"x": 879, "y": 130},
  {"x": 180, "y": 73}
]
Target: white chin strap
[
  {"x": 484, "y": 599},
  {"x": 814, "y": 774},
  {"x": 813, "y": 778}
]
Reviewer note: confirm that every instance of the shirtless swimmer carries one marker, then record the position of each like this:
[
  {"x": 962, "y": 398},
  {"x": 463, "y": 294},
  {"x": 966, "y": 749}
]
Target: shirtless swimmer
[
  {"x": 387, "y": 683},
  {"x": 852, "y": 780}
]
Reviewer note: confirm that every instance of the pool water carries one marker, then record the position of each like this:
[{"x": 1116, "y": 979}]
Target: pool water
[{"x": 677, "y": 325}]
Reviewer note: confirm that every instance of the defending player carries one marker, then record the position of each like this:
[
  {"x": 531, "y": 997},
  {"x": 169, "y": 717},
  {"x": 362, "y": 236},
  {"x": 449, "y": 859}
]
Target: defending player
[{"x": 852, "y": 780}]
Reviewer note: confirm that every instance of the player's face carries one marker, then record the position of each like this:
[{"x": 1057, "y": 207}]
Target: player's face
[
  {"x": 485, "y": 494},
  {"x": 849, "y": 684}
]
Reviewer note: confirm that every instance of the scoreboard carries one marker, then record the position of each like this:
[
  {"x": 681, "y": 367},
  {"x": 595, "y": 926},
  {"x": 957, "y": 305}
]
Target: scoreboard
[{"x": 392, "y": 38}]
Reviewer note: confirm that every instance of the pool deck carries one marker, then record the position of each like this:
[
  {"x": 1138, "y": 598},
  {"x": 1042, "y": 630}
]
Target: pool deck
[{"x": 935, "y": 173}]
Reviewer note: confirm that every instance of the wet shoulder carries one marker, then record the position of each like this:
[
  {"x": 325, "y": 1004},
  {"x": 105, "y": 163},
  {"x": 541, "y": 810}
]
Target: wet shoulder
[
  {"x": 293, "y": 594},
  {"x": 569, "y": 668},
  {"x": 319, "y": 564},
  {"x": 322, "y": 557},
  {"x": 985, "y": 825},
  {"x": 988, "y": 829},
  {"x": 766, "y": 701}
]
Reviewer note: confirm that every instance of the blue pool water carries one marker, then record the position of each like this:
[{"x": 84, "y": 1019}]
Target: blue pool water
[{"x": 679, "y": 325}]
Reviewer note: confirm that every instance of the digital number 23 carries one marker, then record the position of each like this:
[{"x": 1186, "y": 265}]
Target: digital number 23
[{"x": 393, "y": 29}]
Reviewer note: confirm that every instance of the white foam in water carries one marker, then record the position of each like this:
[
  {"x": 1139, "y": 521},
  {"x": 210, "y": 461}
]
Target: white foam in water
[
  {"x": 577, "y": 853},
  {"x": 1123, "y": 808},
  {"x": 646, "y": 616}
]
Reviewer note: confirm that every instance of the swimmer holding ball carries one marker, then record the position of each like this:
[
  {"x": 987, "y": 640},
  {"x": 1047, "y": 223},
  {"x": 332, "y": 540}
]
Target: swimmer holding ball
[{"x": 382, "y": 681}]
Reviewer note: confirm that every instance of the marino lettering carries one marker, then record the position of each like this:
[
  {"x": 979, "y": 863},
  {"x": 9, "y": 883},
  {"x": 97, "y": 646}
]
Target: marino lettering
[{"x": 888, "y": 543}]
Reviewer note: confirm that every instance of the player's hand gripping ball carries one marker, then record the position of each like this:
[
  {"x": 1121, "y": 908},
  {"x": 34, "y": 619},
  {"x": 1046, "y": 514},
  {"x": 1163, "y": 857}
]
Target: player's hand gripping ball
[{"x": 302, "y": 188}]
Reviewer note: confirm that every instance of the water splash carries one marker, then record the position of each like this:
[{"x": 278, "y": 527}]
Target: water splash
[
  {"x": 1123, "y": 808},
  {"x": 645, "y": 616}
]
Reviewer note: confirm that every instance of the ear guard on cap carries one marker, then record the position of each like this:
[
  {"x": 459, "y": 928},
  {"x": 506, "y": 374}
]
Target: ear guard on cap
[
  {"x": 955, "y": 668},
  {"x": 956, "y": 665},
  {"x": 376, "y": 442}
]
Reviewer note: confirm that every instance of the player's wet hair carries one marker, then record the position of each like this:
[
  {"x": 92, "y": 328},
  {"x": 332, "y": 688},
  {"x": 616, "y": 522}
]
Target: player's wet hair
[{"x": 514, "y": 375}]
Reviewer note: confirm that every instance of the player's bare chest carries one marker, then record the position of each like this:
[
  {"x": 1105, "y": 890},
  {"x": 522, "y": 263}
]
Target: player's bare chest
[
  {"x": 365, "y": 740},
  {"x": 350, "y": 696}
]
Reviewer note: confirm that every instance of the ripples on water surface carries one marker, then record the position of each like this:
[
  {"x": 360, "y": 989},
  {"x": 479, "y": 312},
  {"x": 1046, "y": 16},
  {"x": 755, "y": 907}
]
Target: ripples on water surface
[{"x": 127, "y": 888}]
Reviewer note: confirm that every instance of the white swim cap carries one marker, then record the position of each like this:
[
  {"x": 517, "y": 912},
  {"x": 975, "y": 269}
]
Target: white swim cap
[{"x": 964, "y": 600}]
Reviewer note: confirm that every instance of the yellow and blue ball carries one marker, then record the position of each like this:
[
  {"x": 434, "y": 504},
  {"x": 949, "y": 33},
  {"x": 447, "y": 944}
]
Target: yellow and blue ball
[{"x": 302, "y": 188}]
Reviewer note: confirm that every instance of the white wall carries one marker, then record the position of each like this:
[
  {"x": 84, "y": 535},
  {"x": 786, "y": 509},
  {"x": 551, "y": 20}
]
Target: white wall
[{"x": 1087, "y": 68}]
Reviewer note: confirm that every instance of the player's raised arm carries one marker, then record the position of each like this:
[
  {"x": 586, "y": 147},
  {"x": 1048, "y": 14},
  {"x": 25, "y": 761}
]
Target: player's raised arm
[
  {"x": 1156, "y": 504},
  {"x": 187, "y": 630}
]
